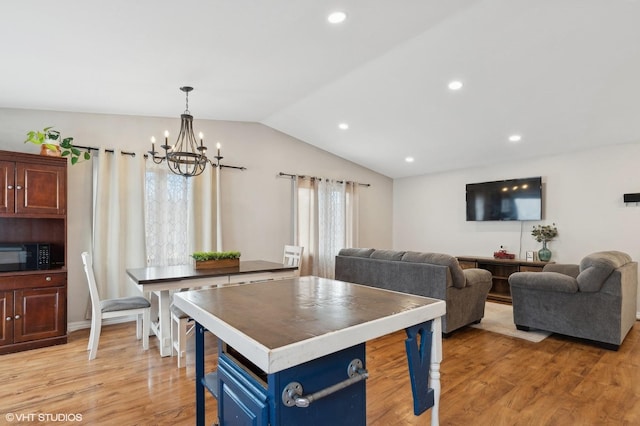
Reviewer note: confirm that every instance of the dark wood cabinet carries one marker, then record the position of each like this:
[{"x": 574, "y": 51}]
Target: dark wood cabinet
[
  {"x": 33, "y": 206},
  {"x": 500, "y": 270},
  {"x": 33, "y": 188},
  {"x": 35, "y": 312}
]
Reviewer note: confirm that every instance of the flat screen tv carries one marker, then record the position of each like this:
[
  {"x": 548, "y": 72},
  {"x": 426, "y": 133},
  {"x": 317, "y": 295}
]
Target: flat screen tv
[{"x": 513, "y": 199}]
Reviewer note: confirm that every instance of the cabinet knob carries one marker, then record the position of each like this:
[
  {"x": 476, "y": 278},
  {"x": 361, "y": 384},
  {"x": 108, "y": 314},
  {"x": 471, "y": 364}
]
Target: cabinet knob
[
  {"x": 8, "y": 318},
  {"x": 17, "y": 317},
  {"x": 18, "y": 187},
  {"x": 48, "y": 278},
  {"x": 9, "y": 186}
]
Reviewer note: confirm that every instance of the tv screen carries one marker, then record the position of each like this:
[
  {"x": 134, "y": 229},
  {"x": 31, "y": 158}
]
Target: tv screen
[{"x": 513, "y": 199}]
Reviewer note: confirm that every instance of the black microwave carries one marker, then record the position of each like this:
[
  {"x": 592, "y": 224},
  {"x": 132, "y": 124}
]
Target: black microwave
[{"x": 25, "y": 257}]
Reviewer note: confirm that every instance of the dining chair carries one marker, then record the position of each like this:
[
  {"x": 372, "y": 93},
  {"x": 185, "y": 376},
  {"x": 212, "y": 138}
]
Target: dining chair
[
  {"x": 293, "y": 256},
  {"x": 112, "y": 308},
  {"x": 181, "y": 326}
]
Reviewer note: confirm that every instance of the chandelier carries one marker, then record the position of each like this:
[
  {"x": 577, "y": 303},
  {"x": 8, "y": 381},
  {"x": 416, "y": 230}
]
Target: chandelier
[{"x": 186, "y": 157}]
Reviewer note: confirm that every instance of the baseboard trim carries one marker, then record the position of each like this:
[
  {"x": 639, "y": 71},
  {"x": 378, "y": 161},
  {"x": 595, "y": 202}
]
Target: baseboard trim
[{"x": 79, "y": 325}]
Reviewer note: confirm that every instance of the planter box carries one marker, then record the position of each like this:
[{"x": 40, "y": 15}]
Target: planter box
[{"x": 214, "y": 264}]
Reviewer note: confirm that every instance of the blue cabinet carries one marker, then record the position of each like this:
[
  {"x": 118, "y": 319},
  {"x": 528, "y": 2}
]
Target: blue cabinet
[
  {"x": 248, "y": 396},
  {"x": 242, "y": 401}
]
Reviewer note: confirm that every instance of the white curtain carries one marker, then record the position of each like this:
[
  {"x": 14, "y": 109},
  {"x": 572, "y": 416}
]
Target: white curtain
[
  {"x": 327, "y": 220},
  {"x": 117, "y": 221},
  {"x": 179, "y": 215}
]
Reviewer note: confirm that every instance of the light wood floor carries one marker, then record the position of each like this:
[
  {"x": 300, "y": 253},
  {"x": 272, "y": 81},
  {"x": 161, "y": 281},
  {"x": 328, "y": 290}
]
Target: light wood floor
[{"x": 487, "y": 379}]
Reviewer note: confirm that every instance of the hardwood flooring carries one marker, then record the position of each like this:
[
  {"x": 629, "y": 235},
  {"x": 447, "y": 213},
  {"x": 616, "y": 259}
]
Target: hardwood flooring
[{"x": 487, "y": 379}]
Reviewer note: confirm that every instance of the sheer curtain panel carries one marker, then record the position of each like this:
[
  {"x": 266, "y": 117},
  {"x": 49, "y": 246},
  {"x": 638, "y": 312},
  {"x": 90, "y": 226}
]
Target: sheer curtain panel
[
  {"x": 327, "y": 220},
  {"x": 178, "y": 212}
]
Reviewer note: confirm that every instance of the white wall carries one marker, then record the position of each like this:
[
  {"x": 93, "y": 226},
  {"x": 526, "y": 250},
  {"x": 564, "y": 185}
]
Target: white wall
[
  {"x": 256, "y": 203},
  {"x": 582, "y": 195}
]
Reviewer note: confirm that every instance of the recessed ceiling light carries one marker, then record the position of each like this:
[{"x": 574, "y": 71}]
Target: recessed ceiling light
[
  {"x": 343, "y": 126},
  {"x": 336, "y": 17},
  {"x": 515, "y": 138},
  {"x": 409, "y": 159},
  {"x": 455, "y": 85}
]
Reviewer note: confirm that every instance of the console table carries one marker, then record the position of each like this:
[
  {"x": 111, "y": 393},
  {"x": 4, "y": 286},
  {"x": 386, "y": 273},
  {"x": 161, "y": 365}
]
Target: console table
[
  {"x": 500, "y": 269},
  {"x": 292, "y": 352}
]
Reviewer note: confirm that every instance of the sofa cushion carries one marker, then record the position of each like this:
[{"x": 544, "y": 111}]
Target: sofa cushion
[
  {"x": 387, "y": 254},
  {"x": 544, "y": 281},
  {"x": 356, "y": 252},
  {"x": 457, "y": 276},
  {"x": 562, "y": 268},
  {"x": 596, "y": 268}
]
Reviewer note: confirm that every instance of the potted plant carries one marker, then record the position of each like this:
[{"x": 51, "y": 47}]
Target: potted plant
[
  {"x": 544, "y": 233},
  {"x": 216, "y": 259},
  {"x": 51, "y": 144}
]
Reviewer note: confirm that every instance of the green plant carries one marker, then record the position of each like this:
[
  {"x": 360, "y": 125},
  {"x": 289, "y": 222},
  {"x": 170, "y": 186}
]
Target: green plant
[
  {"x": 545, "y": 232},
  {"x": 215, "y": 255},
  {"x": 66, "y": 147}
]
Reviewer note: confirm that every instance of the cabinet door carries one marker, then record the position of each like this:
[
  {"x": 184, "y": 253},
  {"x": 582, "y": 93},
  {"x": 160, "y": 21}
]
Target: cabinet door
[
  {"x": 39, "y": 313},
  {"x": 41, "y": 189},
  {"x": 7, "y": 194},
  {"x": 241, "y": 400},
  {"x": 6, "y": 309}
]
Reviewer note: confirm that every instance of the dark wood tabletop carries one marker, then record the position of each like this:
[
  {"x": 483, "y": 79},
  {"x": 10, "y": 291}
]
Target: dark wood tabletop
[{"x": 159, "y": 274}]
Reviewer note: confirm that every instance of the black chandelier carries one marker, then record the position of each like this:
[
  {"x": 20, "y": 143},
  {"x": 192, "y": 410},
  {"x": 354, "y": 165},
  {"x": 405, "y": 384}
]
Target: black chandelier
[{"x": 186, "y": 157}]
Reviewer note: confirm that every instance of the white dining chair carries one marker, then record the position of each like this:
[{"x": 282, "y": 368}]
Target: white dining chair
[
  {"x": 182, "y": 326},
  {"x": 111, "y": 308},
  {"x": 293, "y": 256}
]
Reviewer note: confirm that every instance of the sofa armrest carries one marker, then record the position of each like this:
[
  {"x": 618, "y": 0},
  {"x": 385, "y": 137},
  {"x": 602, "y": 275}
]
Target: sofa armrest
[
  {"x": 474, "y": 276},
  {"x": 544, "y": 281},
  {"x": 562, "y": 268}
]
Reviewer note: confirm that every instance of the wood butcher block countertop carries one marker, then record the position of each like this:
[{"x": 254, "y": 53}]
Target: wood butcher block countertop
[{"x": 280, "y": 324}]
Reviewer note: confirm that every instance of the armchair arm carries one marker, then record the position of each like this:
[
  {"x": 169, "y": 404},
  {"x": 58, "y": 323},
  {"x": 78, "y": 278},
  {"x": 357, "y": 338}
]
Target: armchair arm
[
  {"x": 475, "y": 276},
  {"x": 544, "y": 281},
  {"x": 566, "y": 269}
]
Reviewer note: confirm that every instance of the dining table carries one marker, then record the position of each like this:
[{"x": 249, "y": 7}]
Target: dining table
[{"x": 159, "y": 282}]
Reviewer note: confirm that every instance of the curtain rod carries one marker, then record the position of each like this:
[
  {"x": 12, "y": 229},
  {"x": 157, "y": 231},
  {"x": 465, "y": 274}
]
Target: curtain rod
[
  {"x": 91, "y": 148},
  {"x": 289, "y": 175},
  {"x": 133, "y": 154}
]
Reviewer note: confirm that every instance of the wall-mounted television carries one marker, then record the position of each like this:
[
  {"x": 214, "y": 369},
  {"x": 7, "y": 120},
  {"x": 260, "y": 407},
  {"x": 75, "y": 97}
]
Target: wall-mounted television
[{"x": 513, "y": 199}]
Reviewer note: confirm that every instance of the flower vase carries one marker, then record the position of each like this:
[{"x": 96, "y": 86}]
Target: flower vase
[{"x": 544, "y": 254}]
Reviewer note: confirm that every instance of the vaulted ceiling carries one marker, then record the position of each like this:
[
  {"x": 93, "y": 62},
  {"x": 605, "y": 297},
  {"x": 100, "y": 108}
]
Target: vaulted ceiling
[{"x": 562, "y": 74}]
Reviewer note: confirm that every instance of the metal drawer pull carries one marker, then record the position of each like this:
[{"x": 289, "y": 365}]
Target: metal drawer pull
[
  {"x": 9, "y": 186},
  {"x": 17, "y": 317},
  {"x": 8, "y": 318},
  {"x": 292, "y": 395},
  {"x": 18, "y": 187},
  {"x": 48, "y": 278}
]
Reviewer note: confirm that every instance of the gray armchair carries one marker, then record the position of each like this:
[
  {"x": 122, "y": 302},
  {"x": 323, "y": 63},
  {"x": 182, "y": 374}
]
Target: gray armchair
[{"x": 595, "y": 300}]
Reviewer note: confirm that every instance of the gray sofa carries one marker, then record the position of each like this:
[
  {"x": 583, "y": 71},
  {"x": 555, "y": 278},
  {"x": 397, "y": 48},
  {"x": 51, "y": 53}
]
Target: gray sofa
[
  {"x": 595, "y": 300},
  {"x": 425, "y": 274}
]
